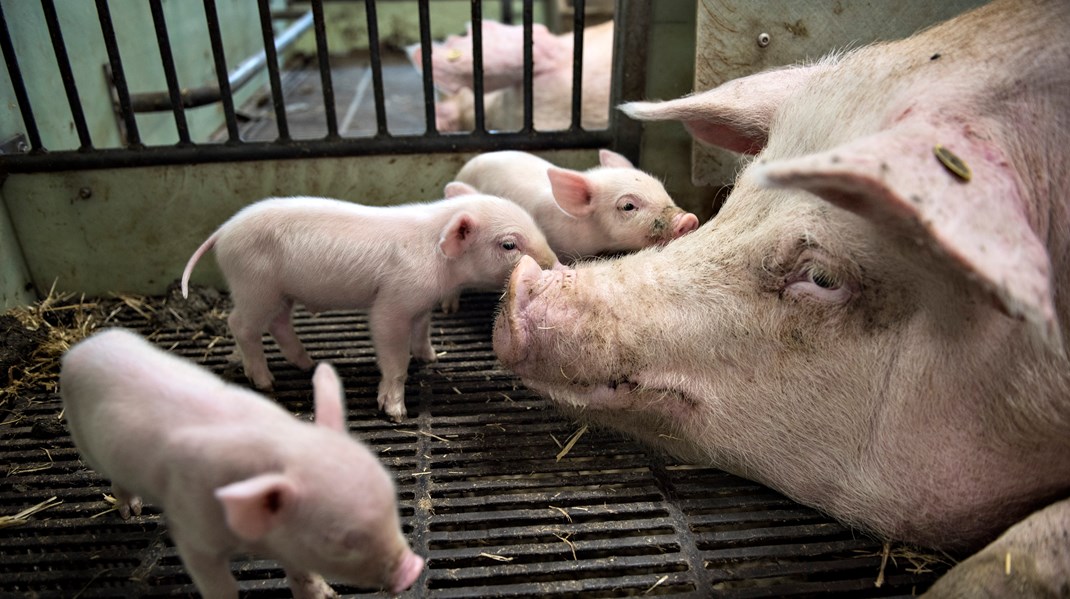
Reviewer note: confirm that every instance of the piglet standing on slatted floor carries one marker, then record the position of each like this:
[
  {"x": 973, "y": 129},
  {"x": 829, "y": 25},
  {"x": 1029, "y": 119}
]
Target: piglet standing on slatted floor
[
  {"x": 233, "y": 471},
  {"x": 397, "y": 262},
  {"x": 613, "y": 207}
]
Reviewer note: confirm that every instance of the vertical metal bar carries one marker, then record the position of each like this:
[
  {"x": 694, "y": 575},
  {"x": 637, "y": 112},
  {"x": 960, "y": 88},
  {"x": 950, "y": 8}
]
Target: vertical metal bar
[
  {"x": 577, "y": 63},
  {"x": 425, "y": 54},
  {"x": 377, "y": 67},
  {"x": 211, "y": 17},
  {"x": 18, "y": 85},
  {"x": 529, "y": 68},
  {"x": 507, "y": 12},
  {"x": 273, "y": 70},
  {"x": 631, "y": 34},
  {"x": 168, "y": 61},
  {"x": 118, "y": 78},
  {"x": 324, "y": 60},
  {"x": 66, "y": 74},
  {"x": 477, "y": 64}
]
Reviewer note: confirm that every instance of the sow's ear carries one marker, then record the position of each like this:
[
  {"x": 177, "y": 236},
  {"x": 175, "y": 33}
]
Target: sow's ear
[
  {"x": 457, "y": 235},
  {"x": 734, "y": 115},
  {"x": 329, "y": 398},
  {"x": 253, "y": 507},
  {"x": 961, "y": 197}
]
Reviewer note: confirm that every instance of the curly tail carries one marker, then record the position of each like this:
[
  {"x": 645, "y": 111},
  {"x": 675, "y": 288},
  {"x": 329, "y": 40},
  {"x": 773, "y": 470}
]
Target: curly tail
[{"x": 207, "y": 245}]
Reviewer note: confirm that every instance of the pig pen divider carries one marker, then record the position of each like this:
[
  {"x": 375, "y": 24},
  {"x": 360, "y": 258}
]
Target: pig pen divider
[{"x": 32, "y": 155}]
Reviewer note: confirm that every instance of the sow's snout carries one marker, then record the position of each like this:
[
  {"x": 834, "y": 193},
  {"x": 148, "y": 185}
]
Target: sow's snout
[{"x": 512, "y": 334}]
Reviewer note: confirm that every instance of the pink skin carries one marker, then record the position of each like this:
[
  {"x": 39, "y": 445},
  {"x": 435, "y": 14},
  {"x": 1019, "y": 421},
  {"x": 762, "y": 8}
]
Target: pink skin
[
  {"x": 397, "y": 262},
  {"x": 859, "y": 327},
  {"x": 614, "y": 207},
  {"x": 503, "y": 78},
  {"x": 233, "y": 471}
]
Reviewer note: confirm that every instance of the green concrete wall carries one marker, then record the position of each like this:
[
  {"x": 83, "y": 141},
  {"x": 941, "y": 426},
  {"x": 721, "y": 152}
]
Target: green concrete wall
[
  {"x": 140, "y": 53},
  {"x": 15, "y": 283}
]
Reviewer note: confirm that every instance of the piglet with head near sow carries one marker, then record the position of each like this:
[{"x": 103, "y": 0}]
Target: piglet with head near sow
[
  {"x": 233, "y": 471},
  {"x": 614, "y": 207},
  {"x": 397, "y": 262},
  {"x": 874, "y": 324}
]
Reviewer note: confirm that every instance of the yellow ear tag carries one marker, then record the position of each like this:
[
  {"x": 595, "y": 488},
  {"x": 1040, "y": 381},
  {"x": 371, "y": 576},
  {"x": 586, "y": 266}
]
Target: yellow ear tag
[{"x": 952, "y": 162}]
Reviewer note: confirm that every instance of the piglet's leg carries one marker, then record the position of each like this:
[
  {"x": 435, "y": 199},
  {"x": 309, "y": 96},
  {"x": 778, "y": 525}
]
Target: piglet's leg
[
  {"x": 210, "y": 572},
  {"x": 248, "y": 321},
  {"x": 282, "y": 329},
  {"x": 420, "y": 341},
  {"x": 308, "y": 585},
  {"x": 126, "y": 502},
  {"x": 390, "y": 335}
]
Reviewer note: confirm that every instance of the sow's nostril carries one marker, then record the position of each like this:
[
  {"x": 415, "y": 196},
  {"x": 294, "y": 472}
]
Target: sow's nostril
[{"x": 682, "y": 224}]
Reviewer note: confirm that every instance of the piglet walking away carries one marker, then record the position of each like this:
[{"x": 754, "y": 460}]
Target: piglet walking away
[
  {"x": 233, "y": 471},
  {"x": 614, "y": 207},
  {"x": 875, "y": 323},
  {"x": 397, "y": 262}
]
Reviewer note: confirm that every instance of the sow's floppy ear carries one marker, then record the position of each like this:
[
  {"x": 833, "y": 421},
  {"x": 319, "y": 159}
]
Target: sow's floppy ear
[
  {"x": 734, "y": 115},
  {"x": 329, "y": 398},
  {"x": 255, "y": 506},
  {"x": 961, "y": 197},
  {"x": 457, "y": 235}
]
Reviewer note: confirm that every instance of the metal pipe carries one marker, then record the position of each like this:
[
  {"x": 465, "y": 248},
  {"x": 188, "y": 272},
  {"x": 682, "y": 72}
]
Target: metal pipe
[
  {"x": 323, "y": 60},
  {"x": 18, "y": 85},
  {"x": 529, "y": 71},
  {"x": 59, "y": 48},
  {"x": 102, "y": 158},
  {"x": 577, "y": 63},
  {"x": 211, "y": 17},
  {"x": 116, "y": 75},
  {"x": 168, "y": 61},
  {"x": 242, "y": 74},
  {"x": 477, "y": 65},
  {"x": 377, "y": 67},
  {"x": 425, "y": 55},
  {"x": 272, "y": 62}
]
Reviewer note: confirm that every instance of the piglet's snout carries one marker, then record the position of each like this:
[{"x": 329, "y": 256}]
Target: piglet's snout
[
  {"x": 683, "y": 223},
  {"x": 407, "y": 572}
]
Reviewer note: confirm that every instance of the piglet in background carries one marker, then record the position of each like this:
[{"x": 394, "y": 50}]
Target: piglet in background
[
  {"x": 503, "y": 78},
  {"x": 233, "y": 471},
  {"x": 614, "y": 207},
  {"x": 397, "y": 262}
]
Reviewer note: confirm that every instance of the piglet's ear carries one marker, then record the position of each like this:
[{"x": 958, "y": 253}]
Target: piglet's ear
[
  {"x": 611, "y": 159},
  {"x": 329, "y": 398},
  {"x": 457, "y": 188},
  {"x": 458, "y": 235},
  {"x": 735, "y": 115},
  {"x": 572, "y": 191},
  {"x": 978, "y": 218},
  {"x": 253, "y": 507}
]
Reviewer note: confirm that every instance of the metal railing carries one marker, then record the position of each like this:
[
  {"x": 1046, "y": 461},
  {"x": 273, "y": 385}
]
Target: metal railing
[{"x": 628, "y": 83}]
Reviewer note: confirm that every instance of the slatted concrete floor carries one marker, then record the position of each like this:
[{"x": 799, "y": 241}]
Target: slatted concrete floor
[{"x": 482, "y": 496}]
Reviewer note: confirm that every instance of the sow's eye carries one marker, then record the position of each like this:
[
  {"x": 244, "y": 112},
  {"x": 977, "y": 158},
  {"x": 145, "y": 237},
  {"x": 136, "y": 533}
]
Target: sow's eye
[{"x": 818, "y": 283}]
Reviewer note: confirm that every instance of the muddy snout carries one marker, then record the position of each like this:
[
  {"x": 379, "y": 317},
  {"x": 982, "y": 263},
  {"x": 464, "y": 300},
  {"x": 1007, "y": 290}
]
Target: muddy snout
[{"x": 683, "y": 223}]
